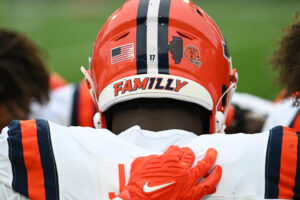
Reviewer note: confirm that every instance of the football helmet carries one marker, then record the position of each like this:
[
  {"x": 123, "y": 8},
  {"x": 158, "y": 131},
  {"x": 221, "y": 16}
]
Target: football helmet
[{"x": 162, "y": 49}]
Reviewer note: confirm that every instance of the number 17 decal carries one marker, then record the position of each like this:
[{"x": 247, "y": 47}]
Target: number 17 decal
[{"x": 152, "y": 57}]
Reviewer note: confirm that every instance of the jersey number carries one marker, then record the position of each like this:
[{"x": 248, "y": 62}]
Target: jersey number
[{"x": 121, "y": 168}]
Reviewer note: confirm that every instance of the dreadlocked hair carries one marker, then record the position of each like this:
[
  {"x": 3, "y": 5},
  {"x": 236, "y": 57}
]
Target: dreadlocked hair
[
  {"x": 286, "y": 59},
  {"x": 23, "y": 74}
]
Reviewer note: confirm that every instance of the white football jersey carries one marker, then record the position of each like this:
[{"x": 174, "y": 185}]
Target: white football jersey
[{"x": 42, "y": 160}]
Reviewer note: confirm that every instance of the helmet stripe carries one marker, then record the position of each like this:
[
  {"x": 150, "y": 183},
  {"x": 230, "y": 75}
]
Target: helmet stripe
[
  {"x": 152, "y": 37},
  {"x": 141, "y": 31},
  {"x": 163, "y": 32}
]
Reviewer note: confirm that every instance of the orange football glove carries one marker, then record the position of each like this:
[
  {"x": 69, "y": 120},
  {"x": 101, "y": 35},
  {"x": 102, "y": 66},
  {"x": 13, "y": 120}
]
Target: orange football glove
[{"x": 170, "y": 176}]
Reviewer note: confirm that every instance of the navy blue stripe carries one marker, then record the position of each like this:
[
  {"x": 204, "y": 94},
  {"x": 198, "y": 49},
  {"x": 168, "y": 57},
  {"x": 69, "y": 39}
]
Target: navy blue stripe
[
  {"x": 163, "y": 36},
  {"x": 297, "y": 178},
  {"x": 47, "y": 159},
  {"x": 16, "y": 157},
  {"x": 273, "y": 156},
  {"x": 74, "y": 116},
  {"x": 141, "y": 37}
]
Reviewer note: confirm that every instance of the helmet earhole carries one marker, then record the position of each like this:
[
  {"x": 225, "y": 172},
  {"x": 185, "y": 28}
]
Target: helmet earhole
[{"x": 224, "y": 88}]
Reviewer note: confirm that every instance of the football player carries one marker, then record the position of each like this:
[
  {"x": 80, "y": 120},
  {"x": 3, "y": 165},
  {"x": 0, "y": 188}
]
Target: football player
[
  {"x": 247, "y": 113},
  {"x": 162, "y": 65},
  {"x": 252, "y": 114}
]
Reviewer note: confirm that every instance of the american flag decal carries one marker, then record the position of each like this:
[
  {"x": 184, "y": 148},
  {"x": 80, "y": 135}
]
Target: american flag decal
[{"x": 122, "y": 53}]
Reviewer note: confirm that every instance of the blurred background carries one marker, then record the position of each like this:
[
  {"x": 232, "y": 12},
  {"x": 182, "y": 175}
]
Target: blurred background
[{"x": 66, "y": 30}]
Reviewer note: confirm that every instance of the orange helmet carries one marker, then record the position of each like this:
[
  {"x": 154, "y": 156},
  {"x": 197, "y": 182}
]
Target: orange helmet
[{"x": 162, "y": 49}]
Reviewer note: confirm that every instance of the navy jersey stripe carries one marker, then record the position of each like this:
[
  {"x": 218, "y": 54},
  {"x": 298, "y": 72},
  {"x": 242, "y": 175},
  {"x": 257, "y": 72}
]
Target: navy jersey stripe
[
  {"x": 163, "y": 36},
  {"x": 47, "y": 159},
  {"x": 273, "y": 157},
  {"x": 141, "y": 37},
  {"x": 74, "y": 116},
  {"x": 20, "y": 179},
  {"x": 297, "y": 178}
]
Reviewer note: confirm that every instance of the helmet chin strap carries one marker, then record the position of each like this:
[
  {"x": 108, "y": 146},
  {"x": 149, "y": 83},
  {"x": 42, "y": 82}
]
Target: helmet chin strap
[
  {"x": 89, "y": 82},
  {"x": 220, "y": 122},
  {"x": 96, "y": 120},
  {"x": 220, "y": 117}
]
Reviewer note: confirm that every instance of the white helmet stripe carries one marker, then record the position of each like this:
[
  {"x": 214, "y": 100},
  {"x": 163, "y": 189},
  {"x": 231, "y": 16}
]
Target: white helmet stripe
[{"x": 152, "y": 36}]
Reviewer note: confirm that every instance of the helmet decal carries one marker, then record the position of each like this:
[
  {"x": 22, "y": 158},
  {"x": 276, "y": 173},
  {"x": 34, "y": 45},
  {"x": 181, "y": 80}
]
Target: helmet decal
[
  {"x": 192, "y": 53},
  {"x": 122, "y": 53},
  {"x": 152, "y": 36},
  {"x": 176, "y": 49},
  {"x": 148, "y": 83}
]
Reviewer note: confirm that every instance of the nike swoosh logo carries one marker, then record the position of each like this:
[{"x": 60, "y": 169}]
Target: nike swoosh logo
[{"x": 148, "y": 189}]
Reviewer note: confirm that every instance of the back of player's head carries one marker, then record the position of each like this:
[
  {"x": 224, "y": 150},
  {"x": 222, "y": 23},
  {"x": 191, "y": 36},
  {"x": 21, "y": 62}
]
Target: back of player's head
[
  {"x": 162, "y": 49},
  {"x": 23, "y": 74},
  {"x": 287, "y": 60},
  {"x": 158, "y": 114}
]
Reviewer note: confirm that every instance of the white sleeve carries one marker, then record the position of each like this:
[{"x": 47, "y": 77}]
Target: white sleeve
[
  {"x": 5, "y": 166},
  {"x": 7, "y": 193}
]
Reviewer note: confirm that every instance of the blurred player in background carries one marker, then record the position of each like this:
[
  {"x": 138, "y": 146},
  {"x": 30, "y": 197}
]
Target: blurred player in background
[
  {"x": 164, "y": 66},
  {"x": 247, "y": 113},
  {"x": 251, "y": 114},
  {"x": 25, "y": 85},
  {"x": 68, "y": 105}
]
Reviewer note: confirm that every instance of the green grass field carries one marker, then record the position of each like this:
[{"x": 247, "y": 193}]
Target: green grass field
[{"x": 66, "y": 31}]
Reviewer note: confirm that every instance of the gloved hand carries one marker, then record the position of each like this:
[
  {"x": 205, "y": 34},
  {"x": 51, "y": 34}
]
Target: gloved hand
[{"x": 170, "y": 176}]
